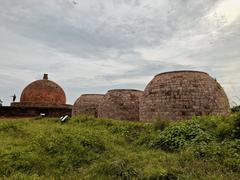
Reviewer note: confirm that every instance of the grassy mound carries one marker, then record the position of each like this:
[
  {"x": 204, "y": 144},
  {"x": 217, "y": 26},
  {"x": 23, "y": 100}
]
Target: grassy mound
[{"x": 90, "y": 148}]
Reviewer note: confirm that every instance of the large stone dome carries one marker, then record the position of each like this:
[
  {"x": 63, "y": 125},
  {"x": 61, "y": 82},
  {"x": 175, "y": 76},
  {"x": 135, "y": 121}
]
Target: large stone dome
[
  {"x": 43, "y": 93},
  {"x": 182, "y": 94},
  {"x": 87, "y": 104},
  {"x": 122, "y": 104}
]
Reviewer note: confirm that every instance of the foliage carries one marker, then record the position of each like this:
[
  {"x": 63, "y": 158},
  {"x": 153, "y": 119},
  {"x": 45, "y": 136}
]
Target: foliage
[
  {"x": 236, "y": 109},
  {"x": 179, "y": 135},
  {"x": 160, "y": 124},
  {"x": 90, "y": 148}
]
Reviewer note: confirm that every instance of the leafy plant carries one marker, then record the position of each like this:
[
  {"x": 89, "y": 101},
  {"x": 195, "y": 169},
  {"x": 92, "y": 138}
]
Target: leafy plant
[{"x": 179, "y": 135}]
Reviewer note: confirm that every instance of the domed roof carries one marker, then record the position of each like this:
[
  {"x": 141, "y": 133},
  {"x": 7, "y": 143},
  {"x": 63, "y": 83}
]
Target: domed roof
[
  {"x": 43, "y": 92},
  {"x": 122, "y": 104},
  {"x": 87, "y": 104},
  {"x": 182, "y": 94}
]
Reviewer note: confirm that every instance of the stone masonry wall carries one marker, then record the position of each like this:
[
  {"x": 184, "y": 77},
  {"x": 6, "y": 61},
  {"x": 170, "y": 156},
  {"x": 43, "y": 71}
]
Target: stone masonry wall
[
  {"x": 181, "y": 95},
  {"x": 87, "y": 104},
  {"x": 122, "y": 104}
]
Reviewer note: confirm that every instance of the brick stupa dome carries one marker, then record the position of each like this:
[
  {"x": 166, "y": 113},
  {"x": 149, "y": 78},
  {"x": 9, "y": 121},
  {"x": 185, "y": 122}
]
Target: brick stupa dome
[
  {"x": 122, "y": 104},
  {"x": 42, "y": 93},
  {"x": 87, "y": 104},
  {"x": 181, "y": 95}
]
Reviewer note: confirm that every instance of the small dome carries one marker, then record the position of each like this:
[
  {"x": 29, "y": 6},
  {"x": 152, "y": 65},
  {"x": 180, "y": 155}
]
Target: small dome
[
  {"x": 122, "y": 104},
  {"x": 182, "y": 94},
  {"x": 87, "y": 104},
  {"x": 43, "y": 92}
]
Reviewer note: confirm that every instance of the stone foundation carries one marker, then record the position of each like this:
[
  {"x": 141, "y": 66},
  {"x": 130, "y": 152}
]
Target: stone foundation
[{"x": 9, "y": 111}]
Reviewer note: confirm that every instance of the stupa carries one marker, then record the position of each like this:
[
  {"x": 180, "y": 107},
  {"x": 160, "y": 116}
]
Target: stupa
[
  {"x": 42, "y": 97},
  {"x": 182, "y": 94}
]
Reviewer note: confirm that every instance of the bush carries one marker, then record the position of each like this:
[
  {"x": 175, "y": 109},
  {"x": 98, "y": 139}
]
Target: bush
[
  {"x": 226, "y": 153},
  {"x": 179, "y": 135},
  {"x": 236, "y": 124},
  {"x": 160, "y": 124},
  {"x": 236, "y": 109},
  {"x": 232, "y": 160},
  {"x": 218, "y": 126}
]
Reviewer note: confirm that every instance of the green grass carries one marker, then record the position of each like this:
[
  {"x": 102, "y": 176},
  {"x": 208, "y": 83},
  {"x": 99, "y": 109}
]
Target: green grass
[{"x": 90, "y": 148}]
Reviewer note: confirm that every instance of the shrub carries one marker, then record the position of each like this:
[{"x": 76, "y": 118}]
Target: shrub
[
  {"x": 208, "y": 151},
  {"x": 226, "y": 153},
  {"x": 218, "y": 126},
  {"x": 236, "y": 124},
  {"x": 236, "y": 109},
  {"x": 160, "y": 124},
  {"x": 178, "y": 135},
  {"x": 232, "y": 154}
]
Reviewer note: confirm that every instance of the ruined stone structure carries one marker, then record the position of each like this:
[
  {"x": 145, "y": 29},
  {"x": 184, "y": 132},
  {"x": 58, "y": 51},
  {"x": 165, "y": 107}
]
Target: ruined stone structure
[
  {"x": 120, "y": 104},
  {"x": 181, "y": 95},
  {"x": 43, "y": 96},
  {"x": 87, "y": 104}
]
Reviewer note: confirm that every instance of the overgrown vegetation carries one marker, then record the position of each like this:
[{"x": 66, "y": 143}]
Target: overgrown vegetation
[
  {"x": 236, "y": 109},
  {"x": 90, "y": 148}
]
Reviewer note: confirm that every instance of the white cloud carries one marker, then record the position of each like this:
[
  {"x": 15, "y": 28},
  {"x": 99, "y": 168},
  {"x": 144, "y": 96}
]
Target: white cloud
[
  {"x": 92, "y": 46},
  {"x": 225, "y": 12}
]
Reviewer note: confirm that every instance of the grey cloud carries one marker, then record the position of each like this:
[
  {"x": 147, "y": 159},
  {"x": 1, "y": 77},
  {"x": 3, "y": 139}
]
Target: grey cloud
[
  {"x": 92, "y": 46},
  {"x": 86, "y": 32}
]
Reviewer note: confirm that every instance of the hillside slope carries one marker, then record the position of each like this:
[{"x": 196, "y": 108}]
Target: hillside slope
[{"x": 89, "y": 148}]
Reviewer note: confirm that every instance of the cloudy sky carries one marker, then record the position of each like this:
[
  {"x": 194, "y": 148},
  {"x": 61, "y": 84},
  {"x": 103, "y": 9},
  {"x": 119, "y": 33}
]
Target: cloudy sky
[{"x": 90, "y": 46}]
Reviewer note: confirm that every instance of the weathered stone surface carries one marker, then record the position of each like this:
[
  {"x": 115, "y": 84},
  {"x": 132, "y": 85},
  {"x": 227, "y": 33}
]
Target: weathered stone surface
[
  {"x": 87, "y": 104},
  {"x": 42, "y": 93},
  {"x": 120, "y": 104},
  {"x": 182, "y": 94}
]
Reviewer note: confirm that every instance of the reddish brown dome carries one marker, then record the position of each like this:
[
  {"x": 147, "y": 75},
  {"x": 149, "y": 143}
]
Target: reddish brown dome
[
  {"x": 43, "y": 92},
  {"x": 87, "y": 104},
  {"x": 182, "y": 94},
  {"x": 122, "y": 104}
]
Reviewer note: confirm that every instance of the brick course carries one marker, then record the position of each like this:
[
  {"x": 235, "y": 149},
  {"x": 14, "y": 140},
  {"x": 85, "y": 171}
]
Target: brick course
[
  {"x": 42, "y": 93},
  {"x": 181, "y": 95},
  {"x": 122, "y": 104},
  {"x": 87, "y": 104}
]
